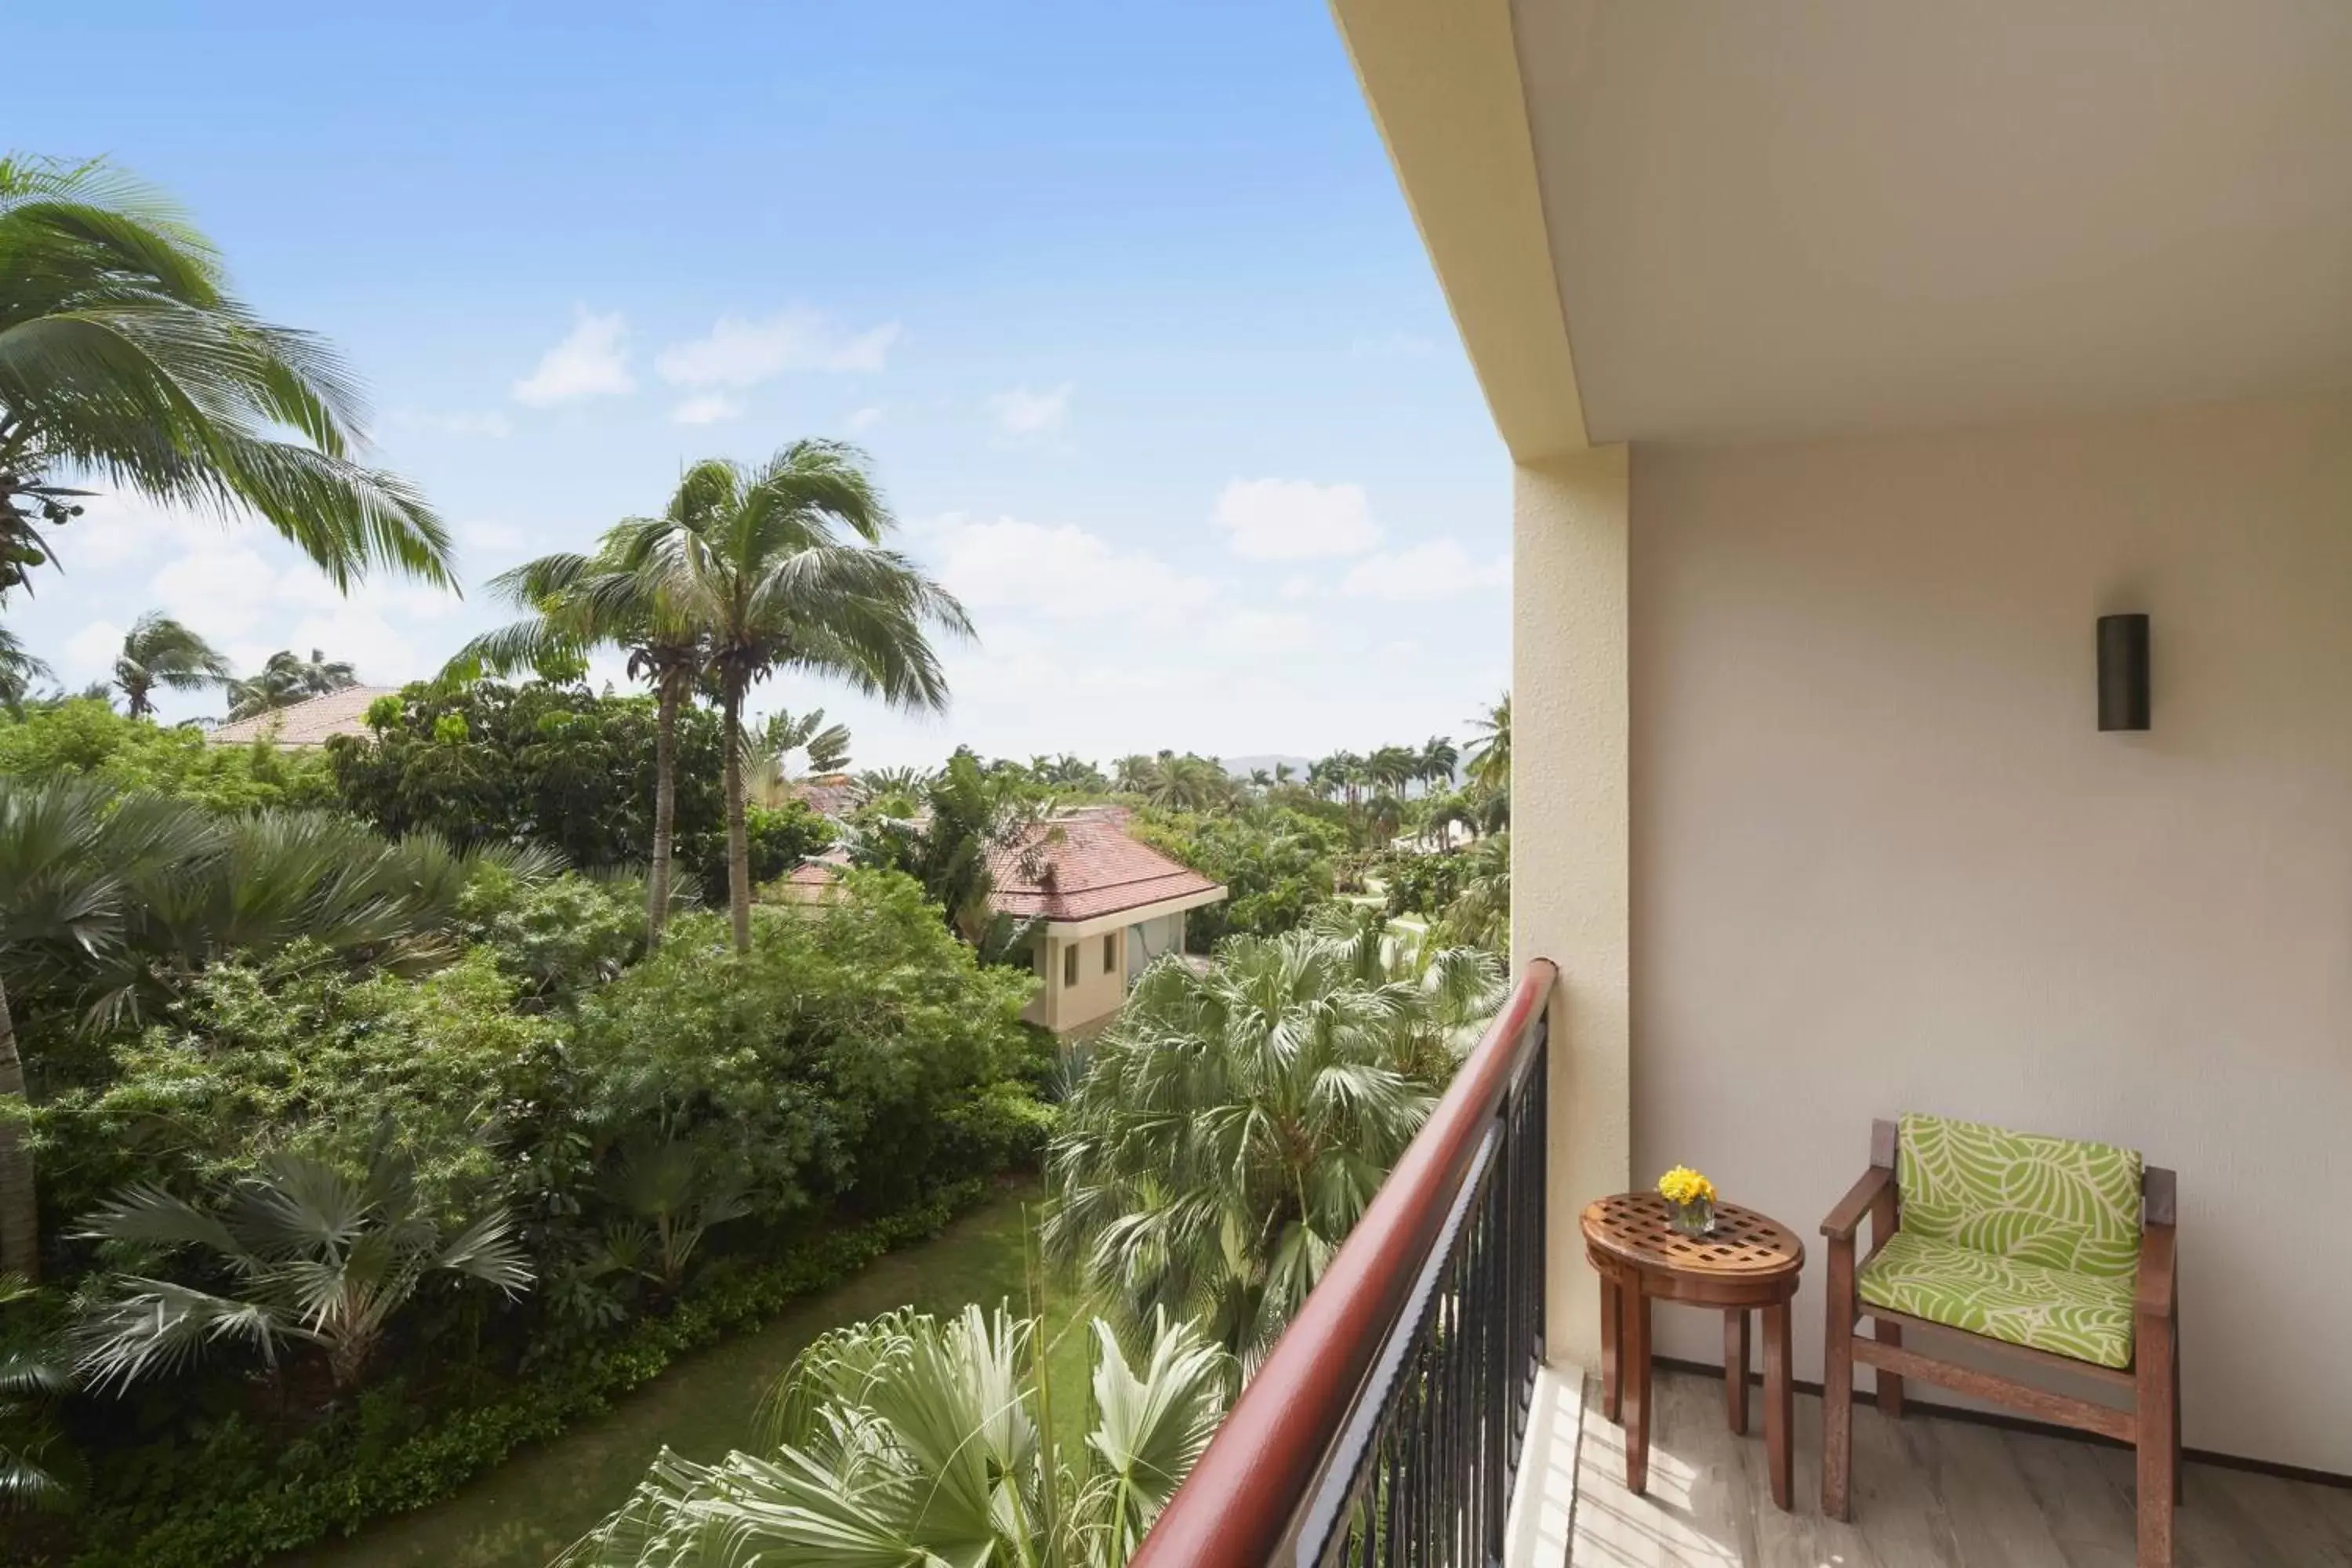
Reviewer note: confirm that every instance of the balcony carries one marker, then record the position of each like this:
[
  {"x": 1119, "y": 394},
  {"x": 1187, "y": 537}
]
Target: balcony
[{"x": 1409, "y": 1415}]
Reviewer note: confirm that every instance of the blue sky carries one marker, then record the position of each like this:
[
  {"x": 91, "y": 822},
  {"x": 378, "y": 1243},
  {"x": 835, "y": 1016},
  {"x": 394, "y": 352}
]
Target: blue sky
[{"x": 1123, "y": 299}]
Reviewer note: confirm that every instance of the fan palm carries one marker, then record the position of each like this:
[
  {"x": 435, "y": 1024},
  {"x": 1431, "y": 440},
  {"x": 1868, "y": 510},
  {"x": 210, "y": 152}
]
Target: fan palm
[
  {"x": 71, "y": 858},
  {"x": 29, "y": 1378},
  {"x": 160, "y": 651},
  {"x": 123, "y": 354},
  {"x": 781, "y": 567},
  {"x": 313, "y": 1254},
  {"x": 915, "y": 1443},
  {"x": 578, "y": 603},
  {"x": 1234, "y": 1123}
]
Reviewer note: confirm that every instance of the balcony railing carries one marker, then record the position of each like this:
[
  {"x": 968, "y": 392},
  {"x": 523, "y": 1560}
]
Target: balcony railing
[{"x": 1385, "y": 1427}]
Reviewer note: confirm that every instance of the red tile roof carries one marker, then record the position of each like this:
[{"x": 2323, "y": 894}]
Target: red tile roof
[{"x": 1090, "y": 867}]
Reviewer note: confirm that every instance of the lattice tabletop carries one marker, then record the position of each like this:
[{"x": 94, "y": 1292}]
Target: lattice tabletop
[{"x": 1634, "y": 1229}]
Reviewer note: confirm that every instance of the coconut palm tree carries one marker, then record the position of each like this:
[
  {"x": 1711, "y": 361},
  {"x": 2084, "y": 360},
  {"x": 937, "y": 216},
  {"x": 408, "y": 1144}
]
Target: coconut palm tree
[
  {"x": 578, "y": 603},
  {"x": 314, "y": 1253},
  {"x": 20, "y": 668},
  {"x": 909, "y": 1440},
  {"x": 160, "y": 651},
  {"x": 287, "y": 678},
  {"x": 1234, "y": 1123},
  {"x": 123, "y": 355},
  {"x": 1490, "y": 746},
  {"x": 1438, "y": 758},
  {"x": 781, "y": 567}
]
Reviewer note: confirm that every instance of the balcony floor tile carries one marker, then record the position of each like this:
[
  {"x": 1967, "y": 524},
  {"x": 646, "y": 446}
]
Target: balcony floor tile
[{"x": 1928, "y": 1493}]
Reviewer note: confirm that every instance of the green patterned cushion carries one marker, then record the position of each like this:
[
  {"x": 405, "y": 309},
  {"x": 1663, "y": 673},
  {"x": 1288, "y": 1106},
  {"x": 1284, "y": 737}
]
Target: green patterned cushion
[
  {"x": 2086, "y": 1316},
  {"x": 2051, "y": 1201}
]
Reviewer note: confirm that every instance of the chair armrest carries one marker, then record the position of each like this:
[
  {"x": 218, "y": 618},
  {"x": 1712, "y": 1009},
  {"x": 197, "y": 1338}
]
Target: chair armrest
[
  {"x": 1847, "y": 1218},
  {"x": 2152, "y": 1296}
]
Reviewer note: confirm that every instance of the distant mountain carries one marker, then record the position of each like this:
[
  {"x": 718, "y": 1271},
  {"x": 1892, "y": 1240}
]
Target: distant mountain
[{"x": 1242, "y": 767}]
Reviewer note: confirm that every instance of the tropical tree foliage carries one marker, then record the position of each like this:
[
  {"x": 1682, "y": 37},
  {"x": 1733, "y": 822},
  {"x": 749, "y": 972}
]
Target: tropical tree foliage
[
  {"x": 32, "y": 1379},
  {"x": 304, "y": 1253},
  {"x": 969, "y": 822},
  {"x": 781, "y": 567},
  {"x": 124, "y": 355},
  {"x": 83, "y": 738},
  {"x": 1490, "y": 751},
  {"x": 1276, "y": 864},
  {"x": 768, "y": 771},
  {"x": 287, "y": 678},
  {"x": 1233, "y": 1123},
  {"x": 159, "y": 651},
  {"x": 909, "y": 1440}
]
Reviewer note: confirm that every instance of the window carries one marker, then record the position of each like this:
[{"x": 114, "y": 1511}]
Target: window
[
  {"x": 1110, "y": 952},
  {"x": 1070, "y": 965}
]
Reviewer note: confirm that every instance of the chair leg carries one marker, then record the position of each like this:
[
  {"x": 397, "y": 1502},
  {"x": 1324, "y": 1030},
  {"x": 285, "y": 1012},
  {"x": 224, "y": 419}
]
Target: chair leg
[
  {"x": 1889, "y": 1384},
  {"x": 1837, "y": 1385},
  {"x": 2159, "y": 1439}
]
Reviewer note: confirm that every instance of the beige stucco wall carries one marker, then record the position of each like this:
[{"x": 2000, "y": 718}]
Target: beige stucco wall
[
  {"x": 1097, "y": 994},
  {"x": 1882, "y": 858},
  {"x": 1569, "y": 844}
]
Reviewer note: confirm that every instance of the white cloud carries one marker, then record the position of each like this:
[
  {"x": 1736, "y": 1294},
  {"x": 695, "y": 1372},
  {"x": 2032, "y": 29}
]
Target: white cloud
[
  {"x": 90, "y": 651},
  {"x": 1292, "y": 520},
  {"x": 863, "y": 419},
  {"x": 706, "y": 408},
  {"x": 739, "y": 353},
  {"x": 1261, "y": 632},
  {"x": 1298, "y": 585},
  {"x": 1438, "y": 570},
  {"x": 1057, "y": 572},
  {"x": 592, "y": 361},
  {"x": 1022, "y": 413},
  {"x": 490, "y": 536}
]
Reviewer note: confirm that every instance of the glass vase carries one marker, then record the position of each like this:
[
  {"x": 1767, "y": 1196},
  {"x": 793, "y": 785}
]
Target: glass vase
[{"x": 1695, "y": 1219}]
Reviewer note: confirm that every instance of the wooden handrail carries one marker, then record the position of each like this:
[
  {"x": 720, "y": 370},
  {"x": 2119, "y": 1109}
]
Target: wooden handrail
[{"x": 1234, "y": 1509}]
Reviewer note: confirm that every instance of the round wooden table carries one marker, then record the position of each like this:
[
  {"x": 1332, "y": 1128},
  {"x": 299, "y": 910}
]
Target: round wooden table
[{"x": 1751, "y": 1262}]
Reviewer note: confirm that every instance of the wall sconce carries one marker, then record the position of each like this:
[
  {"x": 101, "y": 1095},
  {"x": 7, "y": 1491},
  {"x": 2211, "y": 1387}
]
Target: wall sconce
[{"x": 2123, "y": 672}]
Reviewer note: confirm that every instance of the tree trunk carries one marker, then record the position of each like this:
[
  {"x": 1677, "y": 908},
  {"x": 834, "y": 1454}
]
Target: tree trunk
[
  {"x": 665, "y": 811},
  {"x": 739, "y": 833},
  {"x": 20, "y": 1218}
]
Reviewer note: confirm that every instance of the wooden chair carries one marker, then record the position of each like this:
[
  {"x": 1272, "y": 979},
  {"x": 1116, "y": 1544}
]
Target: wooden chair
[{"x": 2060, "y": 1253}]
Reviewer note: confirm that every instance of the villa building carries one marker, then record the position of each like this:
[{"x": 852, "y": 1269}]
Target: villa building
[
  {"x": 1109, "y": 906},
  {"x": 300, "y": 726}
]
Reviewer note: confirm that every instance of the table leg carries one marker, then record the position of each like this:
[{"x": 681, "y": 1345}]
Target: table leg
[
  {"x": 1635, "y": 1368},
  {"x": 1612, "y": 1371},
  {"x": 1779, "y": 1405},
  {"x": 1735, "y": 1369}
]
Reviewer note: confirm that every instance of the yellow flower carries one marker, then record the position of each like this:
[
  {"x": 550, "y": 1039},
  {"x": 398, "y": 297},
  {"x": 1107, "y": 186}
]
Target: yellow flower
[{"x": 1682, "y": 1186}]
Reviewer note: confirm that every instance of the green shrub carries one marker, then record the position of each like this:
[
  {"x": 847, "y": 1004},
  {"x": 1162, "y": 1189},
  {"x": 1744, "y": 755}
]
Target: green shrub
[
  {"x": 1276, "y": 863},
  {"x": 292, "y": 1054},
  {"x": 559, "y": 936},
  {"x": 830, "y": 1053},
  {"x": 84, "y": 738},
  {"x": 541, "y": 764},
  {"x": 1422, "y": 884},
  {"x": 240, "y": 1500},
  {"x": 781, "y": 838}
]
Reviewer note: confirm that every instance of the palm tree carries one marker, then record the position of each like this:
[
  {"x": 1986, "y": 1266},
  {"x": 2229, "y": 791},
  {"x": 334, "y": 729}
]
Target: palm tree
[
  {"x": 70, "y": 856},
  {"x": 578, "y": 603},
  {"x": 1438, "y": 757},
  {"x": 1136, "y": 774},
  {"x": 1234, "y": 1123},
  {"x": 1392, "y": 768},
  {"x": 1480, "y": 914},
  {"x": 160, "y": 651},
  {"x": 286, "y": 679},
  {"x": 755, "y": 560},
  {"x": 970, "y": 822},
  {"x": 907, "y": 1440},
  {"x": 768, "y": 753},
  {"x": 123, "y": 354},
  {"x": 29, "y": 1378},
  {"x": 1490, "y": 749},
  {"x": 20, "y": 668},
  {"x": 1284, "y": 773},
  {"x": 315, "y": 1254}
]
